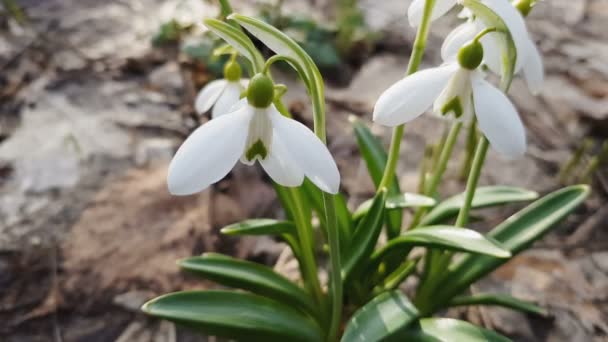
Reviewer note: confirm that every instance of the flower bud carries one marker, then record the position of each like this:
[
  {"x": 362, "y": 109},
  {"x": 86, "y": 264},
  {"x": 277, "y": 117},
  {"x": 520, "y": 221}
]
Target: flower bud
[
  {"x": 232, "y": 71},
  {"x": 470, "y": 55},
  {"x": 260, "y": 92},
  {"x": 524, "y": 6}
]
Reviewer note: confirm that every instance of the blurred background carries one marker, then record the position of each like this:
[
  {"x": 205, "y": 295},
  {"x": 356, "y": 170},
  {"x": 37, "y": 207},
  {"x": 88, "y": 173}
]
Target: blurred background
[{"x": 95, "y": 96}]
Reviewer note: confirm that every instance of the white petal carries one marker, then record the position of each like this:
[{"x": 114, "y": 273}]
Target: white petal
[
  {"x": 533, "y": 69},
  {"x": 498, "y": 119},
  {"x": 514, "y": 22},
  {"x": 308, "y": 152},
  {"x": 457, "y": 38},
  {"x": 229, "y": 97},
  {"x": 209, "y": 95},
  {"x": 281, "y": 166},
  {"x": 412, "y": 96},
  {"x": 209, "y": 153},
  {"x": 492, "y": 52},
  {"x": 416, "y": 10}
]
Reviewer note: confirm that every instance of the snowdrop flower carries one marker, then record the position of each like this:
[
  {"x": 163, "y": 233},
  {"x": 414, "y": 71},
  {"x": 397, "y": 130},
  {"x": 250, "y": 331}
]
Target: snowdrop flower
[
  {"x": 529, "y": 59},
  {"x": 456, "y": 88},
  {"x": 221, "y": 94},
  {"x": 253, "y": 130}
]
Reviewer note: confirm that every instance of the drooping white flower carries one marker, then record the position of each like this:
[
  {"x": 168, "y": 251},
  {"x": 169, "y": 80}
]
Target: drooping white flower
[
  {"x": 254, "y": 130},
  {"x": 221, "y": 94},
  {"x": 459, "y": 89},
  {"x": 530, "y": 61}
]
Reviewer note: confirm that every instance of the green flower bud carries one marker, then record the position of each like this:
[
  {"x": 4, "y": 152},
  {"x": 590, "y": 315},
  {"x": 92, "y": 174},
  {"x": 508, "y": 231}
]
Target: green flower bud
[
  {"x": 524, "y": 6},
  {"x": 260, "y": 92},
  {"x": 232, "y": 71},
  {"x": 471, "y": 55}
]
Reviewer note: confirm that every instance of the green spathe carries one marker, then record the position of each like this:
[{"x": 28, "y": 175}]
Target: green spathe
[{"x": 260, "y": 92}]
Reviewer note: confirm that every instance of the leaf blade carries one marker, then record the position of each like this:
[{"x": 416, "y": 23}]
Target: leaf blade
[
  {"x": 262, "y": 226},
  {"x": 365, "y": 237},
  {"x": 249, "y": 276},
  {"x": 499, "y": 300},
  {"x": 255, "y": 318},
  {"x": 383, "y": 317},
  {"x": 486, "y": 196},
  {"x": 533, "y": 221}
]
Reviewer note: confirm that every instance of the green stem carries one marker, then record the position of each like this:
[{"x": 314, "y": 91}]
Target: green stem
[
  {"x": 336, "y": 286},
  {"x": 478, "y": 160},
  {"x": 446, "y": 153},
  {"x": 305, "y": 237},
  {"x": 414, "y": 64},
  {"x": 225, "y": 8}
]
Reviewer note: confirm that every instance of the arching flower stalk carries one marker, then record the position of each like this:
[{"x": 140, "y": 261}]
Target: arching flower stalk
[
  {"x": 253, "y": 130},
  {"x": 222, "y": 94},
  {"x": 456, "y": 88}
]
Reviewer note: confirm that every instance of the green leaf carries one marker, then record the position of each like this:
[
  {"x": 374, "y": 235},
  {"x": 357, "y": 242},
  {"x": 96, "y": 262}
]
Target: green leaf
[
  {"x": 499, "y": 300},
  {"x": 409, "y": 200},
  {"x": 237, "y": 315},
  {"x": 262, "y": 226},
  {"x": 515, "y": 234},
  {"x": 487, "y": 196},
  {"x": 441, "y": 237},
  {"x": 448, "y": 330},
  {"x": 383, "y": 317},
  {"x": 375, "y": 158},
  {"x": 238, "y": 40},
  {"x": 249, "y": 276},
  {"x": 365, "y": 237}
]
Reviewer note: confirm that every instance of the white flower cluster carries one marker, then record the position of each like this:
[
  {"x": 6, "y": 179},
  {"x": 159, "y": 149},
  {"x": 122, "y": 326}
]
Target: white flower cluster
[
  {"x": 458, "y": 87},
  {"x": 252, "y": 129}
]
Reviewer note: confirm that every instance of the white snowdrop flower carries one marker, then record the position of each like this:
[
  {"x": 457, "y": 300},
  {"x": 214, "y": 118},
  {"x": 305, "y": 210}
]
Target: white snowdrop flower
[
  {"x": 253, "y": 130},
  {"x": 529, "y": 60},
  {"x": 221, "y": 94},
  {"x": 502, "y": 8},
  {"x": 456, "y": 88}
]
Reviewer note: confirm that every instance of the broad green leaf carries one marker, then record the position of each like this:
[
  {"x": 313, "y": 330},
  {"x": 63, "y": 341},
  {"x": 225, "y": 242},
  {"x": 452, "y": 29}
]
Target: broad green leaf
[
  {"x": 238, "y": 40},
  {"x": 499, "y": 300},
  {"x": 512, "y": 42},
  {"x": 365, "y": 237},
  {"x": 515, "y": 234},
  {"x": 397, "y": 202},
  {"x": 249, "y": 276},
  {"x": 260, "y": 226},
  {"x": 486, "y": 196},
  {"x": 384, "y": 317},
  {"x": 442, "y": 237},
  {"x": 448, "y": 330},
  {"x": 237, "y": 315},
  {"x": 375, "y": 157}
]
